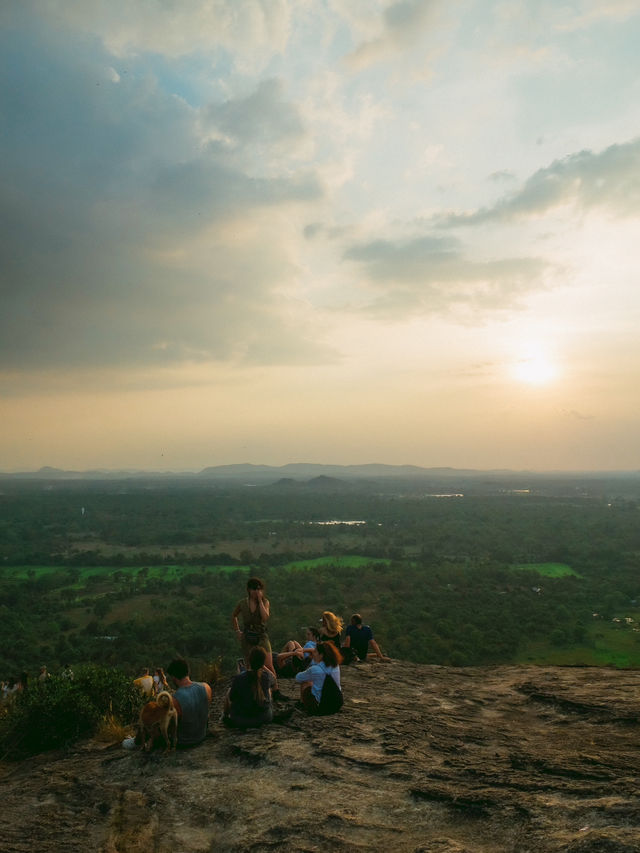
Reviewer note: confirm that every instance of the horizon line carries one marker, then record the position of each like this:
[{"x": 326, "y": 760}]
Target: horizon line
[{"x": 186, "y": 472}]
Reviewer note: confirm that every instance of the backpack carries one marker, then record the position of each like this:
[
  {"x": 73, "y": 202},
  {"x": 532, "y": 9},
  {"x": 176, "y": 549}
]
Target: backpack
[{"x": 331, "y": 698}]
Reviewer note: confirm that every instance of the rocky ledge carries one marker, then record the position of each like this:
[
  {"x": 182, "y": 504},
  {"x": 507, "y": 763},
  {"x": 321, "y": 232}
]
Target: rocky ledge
[{"x": 421, "y": 758}]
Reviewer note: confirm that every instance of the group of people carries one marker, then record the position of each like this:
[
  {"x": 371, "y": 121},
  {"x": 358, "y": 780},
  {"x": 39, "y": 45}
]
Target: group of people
[
  {"x": 151, "y": 685},
  {"x": 249, "y": 701},
  {"x": 14, "y": 686}
]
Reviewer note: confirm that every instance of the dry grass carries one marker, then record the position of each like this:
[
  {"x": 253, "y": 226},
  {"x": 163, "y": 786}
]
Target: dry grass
[
  {"x": 112, "y": 730},
  {"x": 212, "y": 672}
]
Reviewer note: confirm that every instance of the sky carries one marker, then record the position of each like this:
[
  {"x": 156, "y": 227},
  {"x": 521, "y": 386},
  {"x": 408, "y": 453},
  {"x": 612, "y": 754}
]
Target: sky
[{"x": 331, "y": 231}]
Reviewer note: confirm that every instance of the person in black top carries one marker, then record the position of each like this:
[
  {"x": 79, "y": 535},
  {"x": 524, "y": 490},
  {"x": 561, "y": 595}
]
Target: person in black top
[
  {"x": 248, "y": 704},
  {"x": 331, "y": 628}
]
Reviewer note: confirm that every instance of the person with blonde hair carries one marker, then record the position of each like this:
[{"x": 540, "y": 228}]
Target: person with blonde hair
[
  {"x": 145, "y": 682},
  {"x": 331, "y": 628}
]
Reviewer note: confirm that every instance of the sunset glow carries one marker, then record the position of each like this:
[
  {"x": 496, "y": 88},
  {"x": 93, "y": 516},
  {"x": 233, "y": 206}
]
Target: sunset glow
[
  {"x": 379, "y": 231},
  {"x": 534, "y": 370}
]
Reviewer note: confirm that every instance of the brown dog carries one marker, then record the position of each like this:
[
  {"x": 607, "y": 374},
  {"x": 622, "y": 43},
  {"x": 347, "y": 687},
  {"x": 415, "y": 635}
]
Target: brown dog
[{"x": 159, "y": 718}]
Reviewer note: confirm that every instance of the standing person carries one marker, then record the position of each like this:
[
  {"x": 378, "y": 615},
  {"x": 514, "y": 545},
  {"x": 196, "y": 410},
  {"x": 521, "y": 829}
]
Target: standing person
[
  {"x": 326, "y": 664},
  {"x": 160, "y": 682},
  {"x": 360, "y": 637},
  {"x": 248, "y": 703},
  {"x": 145, "y": 682},
  {"x": 191, "y": 700},
  {"x": 254, "y": 612}
]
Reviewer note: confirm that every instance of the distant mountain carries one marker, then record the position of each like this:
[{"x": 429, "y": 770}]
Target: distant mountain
[
  {"x": 48, "y": 473},
  {"x": 321, "y": 483},
  {"x": 372, "y": 478},
  {"x": 308, "y": 470}
]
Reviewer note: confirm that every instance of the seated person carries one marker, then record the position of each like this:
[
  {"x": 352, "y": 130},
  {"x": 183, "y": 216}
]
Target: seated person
[
  {"x": 326, "y": 664},
  {"x": 359, "y": 638},
  {"x": 293, "y": 658},
  {"x": 191, "y": 700},
  {"x": 248, "y": 703},
  {"x": 331, "y": 628}
]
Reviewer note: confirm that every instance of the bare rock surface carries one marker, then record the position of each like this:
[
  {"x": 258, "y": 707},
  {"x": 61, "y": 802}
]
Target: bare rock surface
[{"x": 421, "y": 758}]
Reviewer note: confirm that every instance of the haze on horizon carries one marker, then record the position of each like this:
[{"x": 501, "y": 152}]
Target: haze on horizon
[{"x": 393, "y": 232}]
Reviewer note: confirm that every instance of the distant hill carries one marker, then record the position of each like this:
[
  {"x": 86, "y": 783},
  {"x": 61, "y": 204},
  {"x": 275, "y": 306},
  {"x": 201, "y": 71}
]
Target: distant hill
[
  {"x": 48, "y": 473},
  {"x": 305, "y": 470},
  {"x": 374, "y": 477}
]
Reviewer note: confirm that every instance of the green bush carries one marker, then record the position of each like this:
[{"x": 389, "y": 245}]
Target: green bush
[{"x": 58, "y": 711}]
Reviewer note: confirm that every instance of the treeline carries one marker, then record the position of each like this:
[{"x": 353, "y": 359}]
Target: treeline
[
  {"x": 442, "y": 613},
  {"x": 75, "y": 527},
  {"x": 448, "y": 595}
]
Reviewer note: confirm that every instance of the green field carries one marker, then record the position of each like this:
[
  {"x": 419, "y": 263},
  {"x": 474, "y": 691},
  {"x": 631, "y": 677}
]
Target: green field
[
  {"x": 547, "y": 570},
  {"x": 605, "y": 644},
  {"x": 172, "y": 572},
  {"x": 79, "y": 604},
  {"x": 24, "y": 572}
]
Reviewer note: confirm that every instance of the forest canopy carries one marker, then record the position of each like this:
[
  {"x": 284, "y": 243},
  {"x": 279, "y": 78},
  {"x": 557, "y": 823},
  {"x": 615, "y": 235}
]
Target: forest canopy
[{"x": 128, "y": 576}]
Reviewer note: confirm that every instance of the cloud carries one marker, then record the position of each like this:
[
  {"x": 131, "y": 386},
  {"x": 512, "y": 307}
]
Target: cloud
[
  {"x": 502, "y": 176},
  {"x": 402, "y": 25},
  {"x": 262, "y": 117},
  {"x": 115, "y": 214},
  {"x": 592, "y": 12},
  {"x": 575, "y": 415},
  {"x": 181, "y": 194},
  {"x": 252, "y": 29},
  {"x": 432, "y": 275},
  {"x": 317, "y": 230},
  {"x": 609, "y": 180}
]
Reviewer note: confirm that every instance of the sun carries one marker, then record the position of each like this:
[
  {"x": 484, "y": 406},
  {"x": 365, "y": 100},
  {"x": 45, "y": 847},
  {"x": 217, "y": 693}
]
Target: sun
[{"x": 534, "y": 370}]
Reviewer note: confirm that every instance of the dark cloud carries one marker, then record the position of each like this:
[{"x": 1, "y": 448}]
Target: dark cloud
[
  {"x": 609, "y": 180},
  {"x": 403, "y": 17},
  {"x": 103, "y": 172},
  {"x": 402, "y": 24},
  {"x": 433, "y": 275},
  {"x": 187, "y": 191},
  {"x": 263, "y": 116},
  {"x": 317, "y": 230},
  {"x": 502, "y": 176}
]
